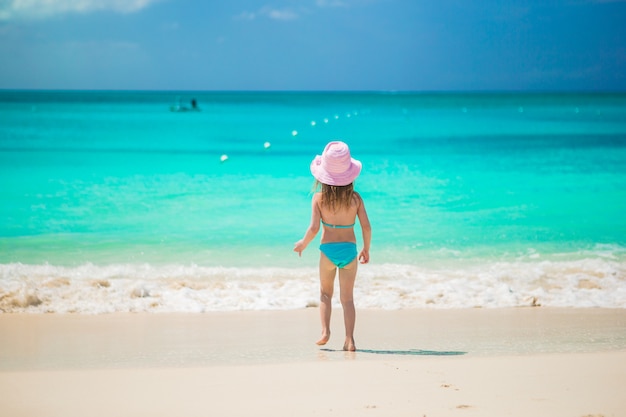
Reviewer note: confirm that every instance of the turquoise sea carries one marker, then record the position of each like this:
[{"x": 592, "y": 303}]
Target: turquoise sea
[{"x": 112, "y": 201}]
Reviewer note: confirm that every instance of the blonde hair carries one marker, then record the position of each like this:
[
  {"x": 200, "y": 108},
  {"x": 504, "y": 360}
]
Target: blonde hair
[{"x": 335, "y": 197}]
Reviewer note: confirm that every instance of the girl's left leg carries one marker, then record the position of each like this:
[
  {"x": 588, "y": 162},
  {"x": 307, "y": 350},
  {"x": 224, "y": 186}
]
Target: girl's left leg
[{"x": 328, "y": 270}]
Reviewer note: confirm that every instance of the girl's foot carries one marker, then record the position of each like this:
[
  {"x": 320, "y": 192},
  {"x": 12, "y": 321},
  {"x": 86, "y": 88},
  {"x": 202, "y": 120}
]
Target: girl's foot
[
  {"x": 324, "y": 339},
  {"x": 349, "y": 345}
]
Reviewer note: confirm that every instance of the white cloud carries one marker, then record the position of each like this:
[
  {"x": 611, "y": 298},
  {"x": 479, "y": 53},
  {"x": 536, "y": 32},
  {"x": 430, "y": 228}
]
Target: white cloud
[
  {"x": 331, "y": 3},
  {"x": 170, "y": 26},
  {"x": 40, "y": 9},
  {"x": 280, "y": 14},
  {"x": 352, "y": 3},
  {"x": 270, "y": 13},
  {"x": 245, "y": 15}
]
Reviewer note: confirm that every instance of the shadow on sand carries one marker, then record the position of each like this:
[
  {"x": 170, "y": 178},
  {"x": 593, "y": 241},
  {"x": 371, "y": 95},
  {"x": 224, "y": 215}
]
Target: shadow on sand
[{"x": 414, "y": 352}]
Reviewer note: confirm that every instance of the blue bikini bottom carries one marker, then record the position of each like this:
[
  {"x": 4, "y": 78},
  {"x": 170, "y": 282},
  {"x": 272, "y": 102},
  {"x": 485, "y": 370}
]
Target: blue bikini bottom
[{"x": 339, "y": 253}]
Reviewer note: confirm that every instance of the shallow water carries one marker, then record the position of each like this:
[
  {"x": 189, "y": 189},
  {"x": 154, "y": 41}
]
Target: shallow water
[{"x": 111, "y": 202}]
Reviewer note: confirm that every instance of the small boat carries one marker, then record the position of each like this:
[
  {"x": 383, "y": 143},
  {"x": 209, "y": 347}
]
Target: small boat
[{"x": 179, "y": 108}]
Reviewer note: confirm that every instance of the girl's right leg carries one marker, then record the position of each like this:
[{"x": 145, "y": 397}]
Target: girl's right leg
[
  {"x": 328, "y": 270},
  {"x": 347, "y": 276}
]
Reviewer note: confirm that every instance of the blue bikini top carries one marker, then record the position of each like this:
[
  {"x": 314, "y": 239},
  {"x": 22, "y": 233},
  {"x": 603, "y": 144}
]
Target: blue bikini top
[{"x": 338, "y": 226}]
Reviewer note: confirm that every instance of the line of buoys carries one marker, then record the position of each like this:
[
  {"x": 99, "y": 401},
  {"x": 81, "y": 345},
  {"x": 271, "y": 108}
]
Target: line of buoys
[
  {"x": 294, "y": 133},
  {"x": 326, "y": 120}
]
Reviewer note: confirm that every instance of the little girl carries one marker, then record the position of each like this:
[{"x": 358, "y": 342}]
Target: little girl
[{"x": 337, "y": 206}]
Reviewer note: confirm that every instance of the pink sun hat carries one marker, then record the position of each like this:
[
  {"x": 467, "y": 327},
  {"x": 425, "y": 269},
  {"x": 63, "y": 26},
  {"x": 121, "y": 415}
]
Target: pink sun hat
[{"x": 335, "y": 166}]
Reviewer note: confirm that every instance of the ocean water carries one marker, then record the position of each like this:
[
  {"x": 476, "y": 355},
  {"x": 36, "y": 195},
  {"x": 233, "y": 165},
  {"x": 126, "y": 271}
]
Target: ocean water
[{"x": 113, "y": 202}]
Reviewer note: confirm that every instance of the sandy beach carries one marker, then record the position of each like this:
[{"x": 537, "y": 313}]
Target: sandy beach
[{"x": 478, "y": 362}]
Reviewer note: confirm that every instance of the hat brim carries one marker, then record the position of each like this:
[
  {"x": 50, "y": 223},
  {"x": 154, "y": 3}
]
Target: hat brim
[{"x": 328, "y": 178}]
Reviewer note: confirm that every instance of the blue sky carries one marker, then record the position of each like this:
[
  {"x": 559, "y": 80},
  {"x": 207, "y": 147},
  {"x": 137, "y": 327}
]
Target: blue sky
[{"x": 416, "y": 45}]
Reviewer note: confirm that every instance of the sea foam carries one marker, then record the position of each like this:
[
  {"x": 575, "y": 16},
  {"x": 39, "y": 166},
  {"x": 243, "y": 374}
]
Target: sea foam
[{"x": 94, "y": 289}]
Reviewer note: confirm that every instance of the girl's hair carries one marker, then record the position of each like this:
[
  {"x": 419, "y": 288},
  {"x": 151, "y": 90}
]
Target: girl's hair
[{"x": 335, "y": 197}]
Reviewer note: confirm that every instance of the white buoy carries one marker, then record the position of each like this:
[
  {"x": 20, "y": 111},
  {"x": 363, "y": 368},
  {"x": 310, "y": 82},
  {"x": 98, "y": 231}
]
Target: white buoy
[
  {"x": 294, "y": 133},
  {"x": 313, "y": 122},
  {"x": 224, "y": 158},
  {"x": 266, "y": 145},
  {"x": 326, "y": 120}
]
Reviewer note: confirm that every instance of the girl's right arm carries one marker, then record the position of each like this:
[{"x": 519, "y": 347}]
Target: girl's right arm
[
  {"x": 313, "y": 228},
  {"x": 366, "y": 229}
]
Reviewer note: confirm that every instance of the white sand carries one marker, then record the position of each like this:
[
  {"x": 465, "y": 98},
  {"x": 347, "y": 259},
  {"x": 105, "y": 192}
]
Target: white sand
[{"x": 516, "y": 362}]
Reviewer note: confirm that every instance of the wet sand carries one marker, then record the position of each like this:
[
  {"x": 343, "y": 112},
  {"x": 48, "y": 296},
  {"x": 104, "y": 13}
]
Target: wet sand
[{"x": 479, "y": 362}]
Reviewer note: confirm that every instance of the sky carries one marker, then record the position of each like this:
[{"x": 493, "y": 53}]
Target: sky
[{"x": 301, "y": 45}]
